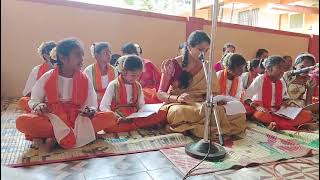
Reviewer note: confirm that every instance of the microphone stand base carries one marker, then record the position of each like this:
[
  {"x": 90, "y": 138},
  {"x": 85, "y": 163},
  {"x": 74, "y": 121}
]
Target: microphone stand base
[{"x": 199, "y": 150}]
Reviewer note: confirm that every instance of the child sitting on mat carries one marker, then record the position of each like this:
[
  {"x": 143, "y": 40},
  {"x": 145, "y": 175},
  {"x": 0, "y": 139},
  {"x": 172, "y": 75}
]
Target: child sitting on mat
[
  {"x": 230, "y": 78},
  {"x": 267, "y": 94},
  {"x": 63, "y": 103},
  {"x": 124, "y": 96}
]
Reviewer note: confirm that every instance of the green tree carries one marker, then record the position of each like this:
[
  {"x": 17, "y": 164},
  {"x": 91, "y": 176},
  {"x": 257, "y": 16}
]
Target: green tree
[
  {"x": 147, "y": 5},
  {"x": 129, "y": 2}
]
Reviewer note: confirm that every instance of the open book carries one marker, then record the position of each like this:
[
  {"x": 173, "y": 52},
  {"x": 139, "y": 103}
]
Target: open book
[
  {"x": 233, "y": 106},
  {"x": 218, "y": 98},
  {"x": 146, "y": 110},
  {"x": 288, "y": 112}
]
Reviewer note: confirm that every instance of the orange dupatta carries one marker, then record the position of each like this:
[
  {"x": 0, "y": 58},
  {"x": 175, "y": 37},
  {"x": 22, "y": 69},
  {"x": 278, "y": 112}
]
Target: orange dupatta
[
  {"x": 120, "y": 103},
  {"x": 44, "y": 67},
  {"x": 223, "y": 84},
  {"x": 267, "y": 92},
  {"x": 67, "y": 112},
  {"x": 96, "y": 73}
]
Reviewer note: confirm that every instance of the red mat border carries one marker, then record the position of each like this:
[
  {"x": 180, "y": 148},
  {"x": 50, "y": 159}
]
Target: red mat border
[{"x": 98, "y": 155}]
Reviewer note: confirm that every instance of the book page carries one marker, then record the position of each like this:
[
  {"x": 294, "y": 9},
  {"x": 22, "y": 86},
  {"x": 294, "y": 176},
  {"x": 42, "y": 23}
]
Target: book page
[
  {"x": 151, "y": 107},
  {"x": 234, "y": 107},
  {"x": 218, "y": 98},
  {"x": 146, "y": 110},
  {"x": 139, "y": 115},
  {"x": 289, "y": 112}
]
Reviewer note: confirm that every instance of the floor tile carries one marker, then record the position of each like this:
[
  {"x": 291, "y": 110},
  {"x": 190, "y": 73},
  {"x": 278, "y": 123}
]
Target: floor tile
[
  {"x": 113, "y": 166},
  {"x": 137, "y": 176},
  {"x": 202, "y": 177},
  {"x": 21, "y": 174},
  {"x": 154, "y": 160},
  {"x": 166, "y": 174},
  {"x": 58, "y": 171}
]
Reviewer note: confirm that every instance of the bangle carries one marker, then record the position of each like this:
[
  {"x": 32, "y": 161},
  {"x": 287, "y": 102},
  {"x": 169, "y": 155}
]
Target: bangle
[
  {"x": 252, "y": 102},
  {"x": 177, "y": 98},
  {"x": 168, "y": 99},
  {"x": 35, "y": 105}
]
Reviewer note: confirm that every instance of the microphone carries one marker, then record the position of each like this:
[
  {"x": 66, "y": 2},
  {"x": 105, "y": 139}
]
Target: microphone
[
  {"x": 204, "y": 65},
  {"x": 201, "y": 56},
  {"x": 304, "y": 70}
]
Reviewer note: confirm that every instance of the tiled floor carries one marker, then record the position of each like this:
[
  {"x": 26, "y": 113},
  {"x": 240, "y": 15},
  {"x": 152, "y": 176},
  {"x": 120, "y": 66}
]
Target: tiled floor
[{"x": 144, "y": 166}]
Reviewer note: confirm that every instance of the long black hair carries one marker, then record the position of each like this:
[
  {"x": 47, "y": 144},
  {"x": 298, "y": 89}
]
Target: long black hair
[{"x": 194, "y": 39}]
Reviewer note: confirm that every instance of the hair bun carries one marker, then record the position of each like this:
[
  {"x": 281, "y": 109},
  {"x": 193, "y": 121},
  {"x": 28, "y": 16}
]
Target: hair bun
[
  {"x": 226, "y": 59},
  {"x": 39, "y": 50},
  {"x": 53, "y": 54}
]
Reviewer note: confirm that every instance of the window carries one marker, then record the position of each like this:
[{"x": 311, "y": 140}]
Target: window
[
  {"x": 295, "y": 20},
  {"x": 249, "y": 17},
  {"x": 243, "y": 18},
  {"x": 255, "y": 17}
]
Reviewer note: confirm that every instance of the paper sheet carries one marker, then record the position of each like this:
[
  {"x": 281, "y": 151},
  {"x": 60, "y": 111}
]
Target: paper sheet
[
  {"x": 146, "y": 110},
  {"x": 234, "y": 107},
  {"x": 288, "y": 112}
]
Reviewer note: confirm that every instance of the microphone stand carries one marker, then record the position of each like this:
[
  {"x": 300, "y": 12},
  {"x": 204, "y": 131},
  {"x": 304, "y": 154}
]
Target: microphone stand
[
  {"x": 203, "y": 149},
  {"x": 211, "y": 104}
]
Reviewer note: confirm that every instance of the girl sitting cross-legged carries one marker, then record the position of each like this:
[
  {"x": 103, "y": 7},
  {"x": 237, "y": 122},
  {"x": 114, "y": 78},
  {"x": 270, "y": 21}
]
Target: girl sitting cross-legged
[
  {"x": 230, "y": 78},
  {"x": 267, "y": 93},
  {"x": 124, "y": 96},
  {"x": 63, "y": 103}
]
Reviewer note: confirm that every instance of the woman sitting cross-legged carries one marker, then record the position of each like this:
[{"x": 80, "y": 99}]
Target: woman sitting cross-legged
[{"x": 183, "y": 87}]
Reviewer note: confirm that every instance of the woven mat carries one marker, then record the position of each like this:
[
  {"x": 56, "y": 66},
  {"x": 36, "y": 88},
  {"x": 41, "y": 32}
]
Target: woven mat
[
  {"x": 256, "y": 146},
  {"x": 16, "y": 151}
]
